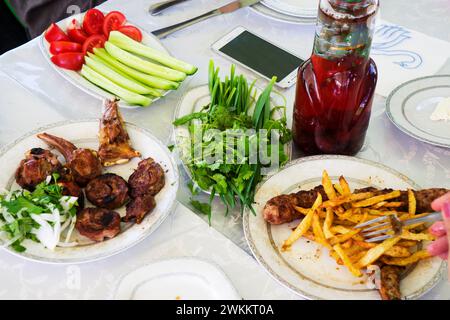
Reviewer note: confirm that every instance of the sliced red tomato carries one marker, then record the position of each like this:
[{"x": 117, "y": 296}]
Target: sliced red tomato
[
  {"x": 76, "y": 33},
  {"x": 95, "y": 41},
  {"x": 113, "y": 21},
  {"x": 69, "y": 60},
  {"x": 93, "y": 22},
  {"x": 55, "y": 33},
  {"x": 132, "y": 32},
  {"x": 57, "y": 47}
]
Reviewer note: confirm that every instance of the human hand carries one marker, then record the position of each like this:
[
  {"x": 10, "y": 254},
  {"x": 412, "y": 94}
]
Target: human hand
[{"x": 441, "y": 229}]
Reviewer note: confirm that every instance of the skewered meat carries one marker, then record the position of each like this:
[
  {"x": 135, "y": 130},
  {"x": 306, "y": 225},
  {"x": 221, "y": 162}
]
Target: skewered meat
[
  {"x": 98, "y": 224},
  {"x": 148, "y": 178},
  {"x": 34, "y": 169},
  {"x": 108, "y": 191},
  {"x": 280, "y": 209},
  {"x": 390, "y": 283},
  {"x": 70, "y": 188},
  {"x": 139, "y": 207},
  {"x": 114, "y": 140},
  {"x": 84, "y": 164}
]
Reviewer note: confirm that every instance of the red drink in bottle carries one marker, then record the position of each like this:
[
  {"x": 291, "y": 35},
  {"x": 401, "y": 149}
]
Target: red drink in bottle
[{"x": 335, "y": 87}]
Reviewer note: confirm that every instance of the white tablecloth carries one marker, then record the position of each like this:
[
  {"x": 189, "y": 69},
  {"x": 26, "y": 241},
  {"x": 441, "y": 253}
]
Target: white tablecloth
[{"x": 33, "y": 94}]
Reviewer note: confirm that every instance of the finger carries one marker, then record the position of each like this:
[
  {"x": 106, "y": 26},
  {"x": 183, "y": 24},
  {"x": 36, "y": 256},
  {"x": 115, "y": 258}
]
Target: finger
[
  {"x": 439, "y": 202},
  {"x": 438, "y": 229},
  {"x": 438, "y": 247},
  {"x": 443, "y": 256},
  {"x": 446, "y": 216}
]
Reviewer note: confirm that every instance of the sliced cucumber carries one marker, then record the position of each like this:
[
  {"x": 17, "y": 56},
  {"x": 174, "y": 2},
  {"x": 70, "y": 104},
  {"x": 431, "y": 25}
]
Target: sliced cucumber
[
  {"x": 126, "y": 43},
  {"x": 149, "y": 80},
  {"x": 118, "y": 79},
  {"x": 108, "y": 85},
  {"x": 143, "y": 65}
]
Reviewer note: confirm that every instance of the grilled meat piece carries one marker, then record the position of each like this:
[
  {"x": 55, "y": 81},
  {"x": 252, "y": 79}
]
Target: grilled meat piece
[
  {"x": 84, "y": 164},
  {"x": 114, "y": 140},
  {"x": 108, "y": 191},
  {"x": 34, "y": 169},
  {"x": 390, "y": 283},
  {"x": 139, "y": 207},
  {"x": 70, "y": 188},
  {"x": 280, "y": 209},
  {"x": 148, "y": 178},
  {"x": 98, "y": 224}
]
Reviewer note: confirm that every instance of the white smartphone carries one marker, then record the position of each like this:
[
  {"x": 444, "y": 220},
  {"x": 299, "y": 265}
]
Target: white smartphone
[{"x": 260, "y": 56}]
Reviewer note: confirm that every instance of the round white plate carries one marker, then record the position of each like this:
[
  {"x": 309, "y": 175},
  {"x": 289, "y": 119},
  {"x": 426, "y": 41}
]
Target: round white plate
[
  {"x": 78, "y": 80},
  {"x": 84, "y": 134},
  {"x": 296, "y": 8},
  {"x": 411, "y": 104},
  {"x": 307, "y": 269},
  {"x": 177, "y": 279},
  {"x": 278, "y": 16},
  {"x": 193, "y": 101}
]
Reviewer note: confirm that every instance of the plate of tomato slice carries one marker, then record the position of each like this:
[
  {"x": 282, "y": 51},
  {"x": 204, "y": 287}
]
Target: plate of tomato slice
[{"x": 66, "y": 43}]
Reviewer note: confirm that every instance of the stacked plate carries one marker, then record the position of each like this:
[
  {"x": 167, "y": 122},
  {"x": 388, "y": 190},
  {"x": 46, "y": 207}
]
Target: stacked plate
[{"x": 294, "y": 11}]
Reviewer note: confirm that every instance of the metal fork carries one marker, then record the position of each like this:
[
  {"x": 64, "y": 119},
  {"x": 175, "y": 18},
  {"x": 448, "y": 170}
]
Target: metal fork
[{"x": 387, "y": 227}]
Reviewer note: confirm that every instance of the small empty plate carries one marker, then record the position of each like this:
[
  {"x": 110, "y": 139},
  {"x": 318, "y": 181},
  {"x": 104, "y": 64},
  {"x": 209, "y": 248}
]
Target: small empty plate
[
  {"x": 177, "y": 279},
  {"x": 410, "y": 106}
]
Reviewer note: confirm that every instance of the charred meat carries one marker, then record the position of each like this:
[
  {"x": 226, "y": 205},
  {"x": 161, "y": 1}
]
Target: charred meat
[
  {"x": 280, "y": 209},
  {"x": 108, "y": 191},
  {"x": 98, "y": 224},
  {"x": 390, "y": 283},
  {"x": 139, "y": 207},
  {"x": 115, "y": 146},
  {"x": 148, "y": 178},
  {"x": 84, "y": 164},
  {"x": 34, "y": 169},
  {"x": 70, "y": 188}
]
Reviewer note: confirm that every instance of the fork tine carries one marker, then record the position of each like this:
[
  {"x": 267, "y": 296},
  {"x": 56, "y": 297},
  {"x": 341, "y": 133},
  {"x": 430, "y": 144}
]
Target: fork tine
[
  {"x": 380, "y": 219},
  {"x": 376, "y": 226},
  {"x": 380, "y": 238},
  {"x": 374, "y": 233}
]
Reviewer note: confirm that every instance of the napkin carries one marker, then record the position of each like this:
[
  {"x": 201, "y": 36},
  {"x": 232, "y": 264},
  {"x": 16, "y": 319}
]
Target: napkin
[{"x": 402, "y": 54}]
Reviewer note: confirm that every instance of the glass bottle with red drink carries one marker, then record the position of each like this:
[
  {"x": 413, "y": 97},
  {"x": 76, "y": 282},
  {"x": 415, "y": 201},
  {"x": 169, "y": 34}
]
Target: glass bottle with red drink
[{"x": 336, "y": 86}]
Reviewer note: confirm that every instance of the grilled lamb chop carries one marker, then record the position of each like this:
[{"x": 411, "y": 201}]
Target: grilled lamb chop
[
  {"x": 148, "y": 178},
  {"x": 139, "y": 207},
  {"x": 390, "y": 283},
  {"x": 98, "y": 224},
  {"x": 70, "y": 188},
  {"x": 34, "y": 169},
  {"x": 84, "y": 164},
  {"x": 280, "y": 209},
  {"x": 108, "y": 191},
  {"x": 114, "y": 140}
]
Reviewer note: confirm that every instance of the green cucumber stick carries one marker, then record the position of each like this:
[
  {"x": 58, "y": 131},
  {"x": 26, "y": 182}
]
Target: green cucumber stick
[{"x": 126, "y": 43}]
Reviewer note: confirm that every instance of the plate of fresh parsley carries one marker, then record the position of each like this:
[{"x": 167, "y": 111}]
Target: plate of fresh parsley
[{"x": 208, "y": 116}]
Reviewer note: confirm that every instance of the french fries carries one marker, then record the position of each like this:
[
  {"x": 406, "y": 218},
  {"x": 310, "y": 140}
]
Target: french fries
[{"x": 331, "y": 224}]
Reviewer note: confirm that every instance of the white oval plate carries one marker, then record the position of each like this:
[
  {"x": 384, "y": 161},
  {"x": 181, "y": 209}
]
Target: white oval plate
[
  {"x": 177, "y": 279},
  {"x": 193, "y": 101},
  {"x": 307, "y": 269},
  {"x": 78, "y": 80},
  {"x": 84, "y": 134},
  {"x": 296, "y": 8},
  {"x": 411, "y": 104},
  {"x": 275, "y": 15}
]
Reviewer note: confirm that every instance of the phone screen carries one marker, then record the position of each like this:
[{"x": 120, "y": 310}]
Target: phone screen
[{"x": 261, "y": 56}]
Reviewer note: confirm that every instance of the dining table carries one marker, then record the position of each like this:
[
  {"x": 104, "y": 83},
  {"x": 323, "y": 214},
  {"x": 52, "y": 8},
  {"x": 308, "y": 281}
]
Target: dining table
[{"x": 33, "y": 95}]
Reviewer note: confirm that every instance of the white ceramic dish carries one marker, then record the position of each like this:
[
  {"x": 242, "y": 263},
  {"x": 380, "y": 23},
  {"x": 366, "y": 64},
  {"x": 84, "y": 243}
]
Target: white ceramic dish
[
  {"x": 275, "y": 15},
  {"x": 296, "y": 8},
  {"x": 84, "y": 134},
  {"x": 78, "y": 80},
  {"x": 307, "y": 269},
  {"x": 177, "y": 279},
  {"x": 411, "y": 104}
]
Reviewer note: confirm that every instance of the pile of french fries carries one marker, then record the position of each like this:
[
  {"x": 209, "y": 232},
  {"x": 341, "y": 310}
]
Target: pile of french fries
[{"x": 331, "y": 223}]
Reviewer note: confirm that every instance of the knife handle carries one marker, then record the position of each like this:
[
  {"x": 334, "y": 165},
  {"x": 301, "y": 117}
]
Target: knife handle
[
  {"x": 157, "y": 8},
  {"x": 164, "y": 32}
]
